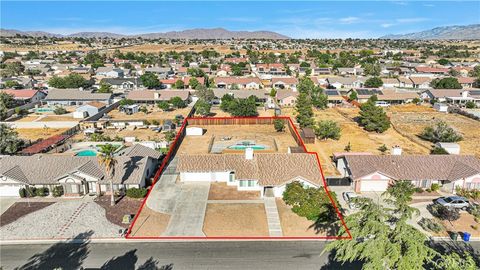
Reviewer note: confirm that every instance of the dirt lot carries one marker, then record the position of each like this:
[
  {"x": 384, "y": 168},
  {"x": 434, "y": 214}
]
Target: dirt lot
[
  {"x": 126, "y": 206},
  {"x": 360, "y": 140},
  {"x": 142, "y": 134},
  {"x": 461, "y": 225},
  {"x": 261, "y": 134},
  {"x": 65, "y": 46},
  {"x": 20, "y": 209},
  {"x": 235, "y": 219},
  {"x": 152, "y": 47},
  {"x": 154, "y": 113},
  {"x": 412, "y": 123},
  {"x": 38, "y": 133},
  {"x": 295, "y": 225},
  {"x": 220, "y": 191},
  {"x": 150, "y": 223}
]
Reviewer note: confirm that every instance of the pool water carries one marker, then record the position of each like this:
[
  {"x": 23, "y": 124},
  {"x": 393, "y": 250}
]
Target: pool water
[
  {"x": 44, "y": 110},
  {"x": 86, "y": 153},
  {"x": 243, "y": 147}
]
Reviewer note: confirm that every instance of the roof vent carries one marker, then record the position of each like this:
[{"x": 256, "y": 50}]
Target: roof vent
[
  {"x": 396, "y": 150},
  {"x": 249, "y": 153}
]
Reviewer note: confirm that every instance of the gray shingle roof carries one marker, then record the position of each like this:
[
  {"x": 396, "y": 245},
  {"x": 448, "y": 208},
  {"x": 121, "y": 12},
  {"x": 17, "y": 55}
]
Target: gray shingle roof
[
  {"x": 75, "y": 94},
  {"x": 141, "y": 150}
]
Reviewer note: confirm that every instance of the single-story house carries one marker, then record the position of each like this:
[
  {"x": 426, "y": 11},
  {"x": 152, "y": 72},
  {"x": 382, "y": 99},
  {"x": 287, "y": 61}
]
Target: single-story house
[
  {"x": 389, "y": 95},
  {"x": 287, "y": 98},
  {"x": 285, "y": 83},
  {"x": 421, "y": 82},
  {"x": 78, "y": 175},
  {"x": 25, "y": 95},
  {"x": 377, "y": 172},
  {"x": 268, "y": 173},
  {"x": 110, "y": 72},
  {"x": 238, "y": 82},
  {"x": 261, "y": 95},
  {"x": 350, "y": 71},
  {"x": 452, "y": 96},
  {"x": 75, "y": 97},
  {"x": 122, "y": 83},
  {"x": 153, "y": 96},
  {"x": 346, "y": 82},
  {"x": 466, "y": 82}
]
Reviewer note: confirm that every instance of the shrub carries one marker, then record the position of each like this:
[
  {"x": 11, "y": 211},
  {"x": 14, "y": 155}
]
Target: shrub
[
  {"x": 435, "y": 187},
  {"x": 430, "y": 225},
  {"x": 307, "y": 202},
  {"x": 155, "y": 122},
  {"x": 470, "y": 105},
  {"x": 279, "y": 125},
  {"x": 428, "y": 190},
  {"x": 418, "y": 190},
  {"x": 438, "y": 151},
  {"x": 137, "y": 192},
  {"x": 475, "y": 227},
  {"x": 57, "y": 191},
  {"x": 22, "y": 192},
  {"x": 31, "y": 191},
  {"x": 440, "y": 132},
  {"x": 474, "y": 210},
  {"x": 443, "y": 212},
  {"x": 42, "y": 192},
  {"x": 327, "y": 129},
  {"x": 59, "y": 110}
]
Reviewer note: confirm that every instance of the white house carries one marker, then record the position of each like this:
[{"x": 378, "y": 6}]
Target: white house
[{"x": 268, "y": 173}]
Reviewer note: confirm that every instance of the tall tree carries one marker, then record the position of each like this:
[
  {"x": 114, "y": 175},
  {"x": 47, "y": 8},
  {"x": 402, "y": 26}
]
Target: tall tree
[
  {"x": 6, "y": 102},
  {"x": 150, "y": 80},
  {"x": 203, "y": 107},
  {"x": 9, "y": 141},
  {"x": 373, "y": 118},
  {"x": 446, "y": 83},
  {"x": 107, "y": 158},
  {"x": 373, "y": 82},
  {"x": 304, "y": 110}
]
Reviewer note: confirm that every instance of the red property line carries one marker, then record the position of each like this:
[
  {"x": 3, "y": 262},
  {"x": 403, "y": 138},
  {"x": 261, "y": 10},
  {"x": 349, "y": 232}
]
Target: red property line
[{"x": 167, "y": 159}]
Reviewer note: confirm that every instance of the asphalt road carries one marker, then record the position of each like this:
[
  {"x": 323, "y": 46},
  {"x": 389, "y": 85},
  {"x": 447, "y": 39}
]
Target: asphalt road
[{"x": 166, "y": 256}]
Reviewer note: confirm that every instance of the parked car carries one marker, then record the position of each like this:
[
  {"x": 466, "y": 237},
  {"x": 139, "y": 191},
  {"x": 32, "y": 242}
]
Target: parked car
[
  {"x": 454, "y": 202},
  {"x": 382, "y": 104},
  {"x": 349, "y": 198}
]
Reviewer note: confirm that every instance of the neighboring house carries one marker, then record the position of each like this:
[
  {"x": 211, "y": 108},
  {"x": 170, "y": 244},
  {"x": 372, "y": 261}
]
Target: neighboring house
[
  {"x": 390, "y": 82},
  {"x": 452, "y": 96},
  {"x": 122, "y": 83},
  {"x": 466, "y": 82},
  {"x": 238, "y": 82},
  {"x": 235, "y": 60},
  {"x": 78, "y": 175},
  {"x": 75, "y": 97},
  {"x": 421, "y": 82},
  {"x": 275, "y": 69},
  {"x": 376, "y": 173},
  {"x": 25, "y": 95},
  {"x": 335, "y": 96},
  {"x": 389, "y": 95},
  {"x": 287, "y": 98},
  {"x": 261, "y": 95},
  {"x": 267, "y": 173},
  {"x": 162, "y": 72},
  {"x": 110, "y": 72},
  {"x": 89, "y": 109},
  {"x": 153, "y": 96},
  {"x": 350, "y": 71},
  {"x": 405, "y": 82},
  {"x": 285, "y": 83},
  {"x": 431, "y": 71},
  {"x": 346, "y": 82}
]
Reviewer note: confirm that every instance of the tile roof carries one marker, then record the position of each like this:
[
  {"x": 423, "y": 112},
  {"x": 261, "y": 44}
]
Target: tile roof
[
  {"x": 21, "y": 94},
  {"x": 237, "y": 80},
  {"x": 141, "y": 150},
  {"x": 149, "y": 95},
  {"x": 431, "y": 167},
  {"x": 270, "y": 169},
  {"x": 75, "y": 94}
]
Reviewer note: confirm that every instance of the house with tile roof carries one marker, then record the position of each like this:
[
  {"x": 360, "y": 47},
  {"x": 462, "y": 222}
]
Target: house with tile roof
[
  {"x": 268, "y": 173},
  {"x": 78, "y": 175},
  {"x": 376, "y": 173}
]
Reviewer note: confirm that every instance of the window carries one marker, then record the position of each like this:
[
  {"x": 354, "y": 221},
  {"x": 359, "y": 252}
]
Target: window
[
  {"x": 251, "y": 183},
  {"x": 243, "y": 183}
]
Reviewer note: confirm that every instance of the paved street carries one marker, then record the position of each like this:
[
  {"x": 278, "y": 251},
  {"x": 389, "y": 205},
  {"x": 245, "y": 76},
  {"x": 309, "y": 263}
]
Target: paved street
[{"x": 187, "y": 255}]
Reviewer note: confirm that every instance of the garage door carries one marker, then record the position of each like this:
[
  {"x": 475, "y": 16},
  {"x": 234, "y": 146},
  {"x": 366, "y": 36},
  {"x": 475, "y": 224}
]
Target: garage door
[
  {"x": 9, "y": 190},
  {"x": 375, "y": 185}
]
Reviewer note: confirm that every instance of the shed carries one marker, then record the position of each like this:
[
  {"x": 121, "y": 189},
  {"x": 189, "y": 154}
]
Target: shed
[
  {"x": 451, "y": 148},
  {"x": 194, "y": 131},
  {"x": 441, "y": 107},
  {"x": 307, "y": 135}
]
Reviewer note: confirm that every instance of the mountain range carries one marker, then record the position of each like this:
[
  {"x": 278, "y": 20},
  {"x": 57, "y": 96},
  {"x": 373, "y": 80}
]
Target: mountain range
[
  {"x": 446, "y": 32},
  {"x": 199, "y": 33}
]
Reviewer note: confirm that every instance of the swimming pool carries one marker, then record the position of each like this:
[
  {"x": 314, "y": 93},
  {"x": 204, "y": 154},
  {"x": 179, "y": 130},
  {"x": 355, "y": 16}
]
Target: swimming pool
[
  {"x": 86, "y": 153},
  {"x": 44, "y": 110},
  {"x": 247, "y": 144}
]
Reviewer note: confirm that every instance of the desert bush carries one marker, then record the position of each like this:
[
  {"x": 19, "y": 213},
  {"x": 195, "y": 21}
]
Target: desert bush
[
  {"x": 435, "y": 187},
  {"x": 57, "y": 191},
  {"x": 430, "y": 225},
  {"x": 42, "y": 192},
  {"x": 31, "y": 191},
  {"x": 419, "y": 190},
  {"x": 444, "y": 213},
  {"x": 137, "y": 192},
  {"x": 22, "y": 192}
]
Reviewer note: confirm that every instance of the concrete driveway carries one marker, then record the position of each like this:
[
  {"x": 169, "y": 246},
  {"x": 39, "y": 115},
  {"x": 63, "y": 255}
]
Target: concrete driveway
[
  {"x": 6, "y": 202},
  {"x": 163, "y": 196},
  {"x": 189, "y": 214}
]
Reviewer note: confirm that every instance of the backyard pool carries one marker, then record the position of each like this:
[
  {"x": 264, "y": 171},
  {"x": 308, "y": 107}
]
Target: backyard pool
[
  {"x": 86, "y": 153},
  {"x": 247, "y": 144},
  {"x": 39, "y": 110}
]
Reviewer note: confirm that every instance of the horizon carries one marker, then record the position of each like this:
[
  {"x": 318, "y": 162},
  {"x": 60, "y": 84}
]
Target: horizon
[{"x": 298, "y": 20}]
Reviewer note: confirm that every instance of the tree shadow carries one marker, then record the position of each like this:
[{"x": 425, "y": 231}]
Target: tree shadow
[
  {"x": 128, "y": 261},
  {"x": 327, "y": 221},
  {"x": 65, "y": 255},
  {"x": 446, "y": 247},
  {"x": 334, "y": 264}
]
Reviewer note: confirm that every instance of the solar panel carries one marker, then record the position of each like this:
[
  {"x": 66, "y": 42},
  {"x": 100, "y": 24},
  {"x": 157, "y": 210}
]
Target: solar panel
[
  {"x": 331, "y": 93},
  {"x": 475, "y": 92}
]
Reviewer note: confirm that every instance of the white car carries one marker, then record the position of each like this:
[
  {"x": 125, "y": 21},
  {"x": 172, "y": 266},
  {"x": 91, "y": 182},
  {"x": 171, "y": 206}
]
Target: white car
[
  {"x": 348, "y": 197},
  {"x": 382, "y": 104}
]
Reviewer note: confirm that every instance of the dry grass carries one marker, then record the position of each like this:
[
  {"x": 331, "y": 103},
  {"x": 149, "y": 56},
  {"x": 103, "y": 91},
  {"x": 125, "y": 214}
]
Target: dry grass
[
  {"x": 154, "y": 113},
  {"x": 150, "y": 223},
  {"x": 220, "y": 191},
  {"x": 152, "y": 48},
  {"x": 261, "y": 134},
  {"x": 142, "y": 134},
  {"x": 60, "y": 118},
  {"x": 235, "y": 219},
  {"x": 464, "y": 224},
  {"x": 38, "y": 133},
  {"x": 217, "y": 112},
  {"x": 64, "y": 46},
  {"x": 360, "y": 140}
]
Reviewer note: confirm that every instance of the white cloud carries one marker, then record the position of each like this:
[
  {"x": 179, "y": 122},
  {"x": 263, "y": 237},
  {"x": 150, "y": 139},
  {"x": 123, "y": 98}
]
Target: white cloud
[
  {"x": 349, "y": 20},
  {"x": 411, "y": 20},
  {"x": 386, "y": 25}
]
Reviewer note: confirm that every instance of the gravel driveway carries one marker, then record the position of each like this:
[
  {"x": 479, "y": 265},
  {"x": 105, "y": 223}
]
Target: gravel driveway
[{"x": 64, "y": 219}]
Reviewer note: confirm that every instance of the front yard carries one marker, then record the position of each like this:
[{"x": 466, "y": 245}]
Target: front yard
[
  {"x": 125, "y": 206},
  {"x": 20, "y": 209},
  {"x": 220, "y": 191},
  {"x": 150, "y": 223}
]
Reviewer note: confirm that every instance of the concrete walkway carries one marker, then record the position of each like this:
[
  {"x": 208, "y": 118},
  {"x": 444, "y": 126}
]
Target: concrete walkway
[
  {"x": 165, "y": 192},
  {"x": 6, "y": 202},
  {"x": 273, "y": 219},
  {"x": 189, "y": 213},
  {"x": 235, "y": 201}
]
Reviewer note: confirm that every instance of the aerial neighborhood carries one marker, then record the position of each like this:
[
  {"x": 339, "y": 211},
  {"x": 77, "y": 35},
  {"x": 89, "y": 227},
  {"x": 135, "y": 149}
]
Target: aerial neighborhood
[{"x": 253, "y": 138}]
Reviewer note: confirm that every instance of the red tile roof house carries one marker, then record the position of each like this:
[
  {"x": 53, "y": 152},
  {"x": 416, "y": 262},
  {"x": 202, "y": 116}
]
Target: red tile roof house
[
  {"x": 25, "y": 95},
  {"x": 432, "y": 70},
  {"x": 268, "y": 173},
  {"x": 240, "y": 82},
  {"x": 376, "y": 173},
  {"x": 77, "y": 174},
  {"x": 153, "y": 96},
  {"x": 271, "y": 69},
  {"x": 169, "y": 83},
  {"x": 466, "y": 82}
]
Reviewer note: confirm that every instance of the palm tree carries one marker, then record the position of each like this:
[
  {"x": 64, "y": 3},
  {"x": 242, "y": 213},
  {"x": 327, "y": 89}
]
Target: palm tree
[{"x": 107, "y": 159}]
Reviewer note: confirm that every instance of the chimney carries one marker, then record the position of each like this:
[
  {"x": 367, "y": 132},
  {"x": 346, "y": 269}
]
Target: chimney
[
  {"x": 465, "y": 94},
  {"x": 396, "y": 150},
  {"x": 249, "y": 153},
  {"x": 156, "y": 95}
]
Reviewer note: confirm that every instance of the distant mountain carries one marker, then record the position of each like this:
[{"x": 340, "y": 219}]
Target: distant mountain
[
  {"x": 446, "y": 32},
  {"x": 214, "y": 33}
]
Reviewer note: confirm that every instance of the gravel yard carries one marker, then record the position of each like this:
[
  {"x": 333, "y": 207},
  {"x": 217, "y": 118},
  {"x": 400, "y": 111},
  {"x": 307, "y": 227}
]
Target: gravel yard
[{"x": 63, "y": 219}]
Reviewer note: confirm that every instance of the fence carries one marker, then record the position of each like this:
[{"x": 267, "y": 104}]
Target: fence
[{"x": 27, "y": 106}]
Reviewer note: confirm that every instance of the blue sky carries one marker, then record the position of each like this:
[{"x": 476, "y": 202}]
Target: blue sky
[{"x": 320, "y": 19}]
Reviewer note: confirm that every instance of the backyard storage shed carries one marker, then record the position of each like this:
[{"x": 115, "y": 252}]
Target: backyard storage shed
[
  {"x": 308, "y": 135},
  {"x": 194, "y": 131}
]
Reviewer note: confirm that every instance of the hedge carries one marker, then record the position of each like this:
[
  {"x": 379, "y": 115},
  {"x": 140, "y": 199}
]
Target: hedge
[
  {"x": 57, "y": 191},
  {"x": 136, "y": 192}
]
